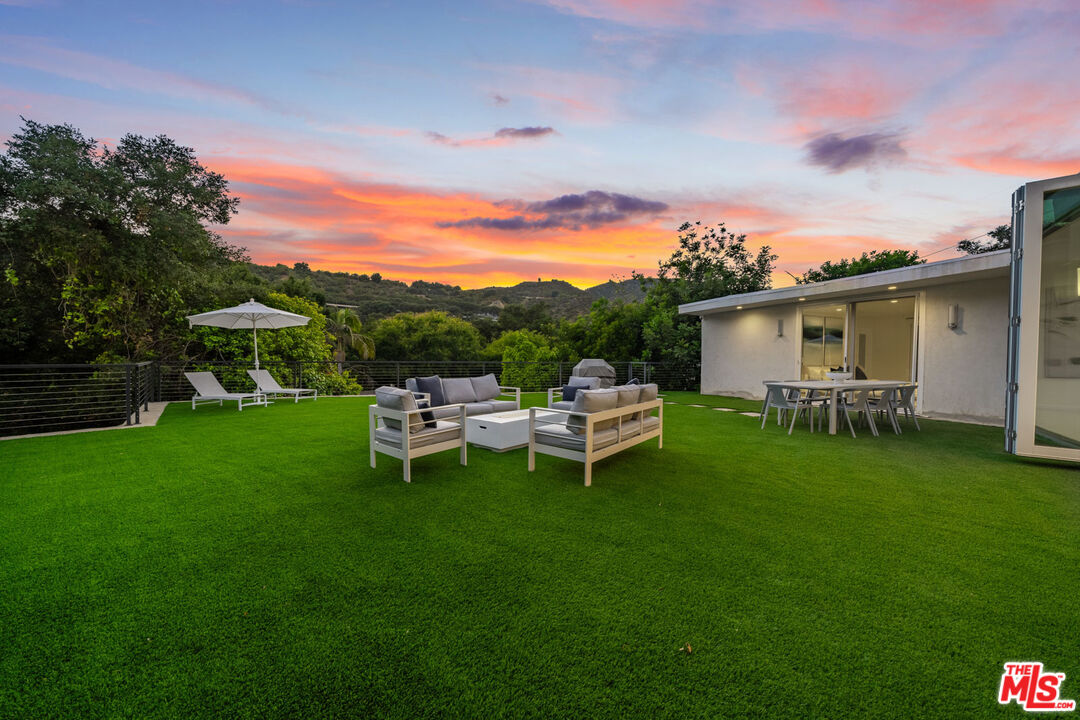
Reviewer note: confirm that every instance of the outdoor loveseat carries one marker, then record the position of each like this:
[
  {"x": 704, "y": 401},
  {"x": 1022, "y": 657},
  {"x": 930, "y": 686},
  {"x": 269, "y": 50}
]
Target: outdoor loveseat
[
  {"x": 480, "y": 395},
  {"x": 575, "y": 381},
  {"x": 599, "y": 424}
]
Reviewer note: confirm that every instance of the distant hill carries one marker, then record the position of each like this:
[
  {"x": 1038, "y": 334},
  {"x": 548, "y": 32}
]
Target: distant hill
[{"x": 372, "y": 296}]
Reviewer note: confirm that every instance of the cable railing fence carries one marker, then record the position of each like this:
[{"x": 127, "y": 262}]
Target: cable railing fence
[{"x": 48, "y": 398}]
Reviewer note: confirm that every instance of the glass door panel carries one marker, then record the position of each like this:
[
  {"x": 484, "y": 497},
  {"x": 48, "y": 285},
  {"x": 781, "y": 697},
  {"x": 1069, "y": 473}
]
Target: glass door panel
[{"x": 1057, "y": 403}]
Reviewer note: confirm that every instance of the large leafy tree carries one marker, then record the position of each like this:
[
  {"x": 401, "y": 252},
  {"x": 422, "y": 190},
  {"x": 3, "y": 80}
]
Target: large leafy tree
[
  {"x": 868, "y": 262},
  {"x": 709, "y": 262},
  {"x": 611, "y": 330},
  {"x": 104, "y": 250},
  {"x": 431, "y": 335},
  {"x": 1000, "y": 238}
]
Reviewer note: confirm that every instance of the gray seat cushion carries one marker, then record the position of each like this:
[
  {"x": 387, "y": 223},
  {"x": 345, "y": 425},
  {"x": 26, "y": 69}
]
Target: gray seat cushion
[
  {"x": 562, "y": 405},
  {"x": 486, "y": 387},
  {"x": 442, "y": 432},
  {"x": 559, "y": 436},
  {"x": 587, "y": 382},
  {"x": 476, "y": 408},
  {"x": 502, "y": 405},
  {"x": 393, "y": 398},
  {"x": 458, "y": 390},
  {"x": 590, "y": 401},
  {"x": 445, "y": 412},
  {"x": 633, "y": 427}
]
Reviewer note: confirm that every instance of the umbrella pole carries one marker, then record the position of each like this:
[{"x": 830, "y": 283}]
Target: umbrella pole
[{"x": 255, "y": 332}]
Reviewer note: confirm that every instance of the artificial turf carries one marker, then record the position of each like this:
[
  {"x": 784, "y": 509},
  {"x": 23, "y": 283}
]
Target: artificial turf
[{"x": 227, "y": 564}]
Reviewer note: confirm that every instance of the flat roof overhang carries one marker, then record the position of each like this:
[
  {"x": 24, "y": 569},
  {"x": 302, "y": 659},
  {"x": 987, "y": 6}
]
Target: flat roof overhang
[{"x": 962, "y": 269}]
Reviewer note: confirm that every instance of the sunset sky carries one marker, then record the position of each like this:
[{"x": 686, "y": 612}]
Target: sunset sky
[{"x": 482, "y": 143}]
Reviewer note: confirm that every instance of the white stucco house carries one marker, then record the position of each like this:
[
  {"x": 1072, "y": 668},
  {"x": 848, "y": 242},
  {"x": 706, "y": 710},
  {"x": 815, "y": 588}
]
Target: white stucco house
[{"x": 943, "y": 325}]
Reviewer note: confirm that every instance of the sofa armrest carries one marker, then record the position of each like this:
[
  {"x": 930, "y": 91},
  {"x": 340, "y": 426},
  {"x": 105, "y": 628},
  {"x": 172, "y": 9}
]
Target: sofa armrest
[{"x": 510, "y": 390}]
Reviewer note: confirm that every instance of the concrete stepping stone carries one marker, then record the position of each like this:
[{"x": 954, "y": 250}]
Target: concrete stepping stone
[{"x": 751, "y": 414}]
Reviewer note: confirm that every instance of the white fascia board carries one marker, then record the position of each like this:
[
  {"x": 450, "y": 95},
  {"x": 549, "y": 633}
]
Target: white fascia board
[{"x": 962, "y": 269}]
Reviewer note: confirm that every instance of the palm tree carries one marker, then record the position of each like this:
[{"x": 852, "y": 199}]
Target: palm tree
[{"x": 345, "y": 329}]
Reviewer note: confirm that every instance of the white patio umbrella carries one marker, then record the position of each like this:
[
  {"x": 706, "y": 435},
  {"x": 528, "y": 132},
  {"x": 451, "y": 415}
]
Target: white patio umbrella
[{"x": 249, "y": 315}]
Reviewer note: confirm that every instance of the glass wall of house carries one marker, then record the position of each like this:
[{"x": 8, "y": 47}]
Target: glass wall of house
[
  {"x": 1057, "y": 403},
  {"x": 822, "y": 340},
  {"x": 883, "y": 339}
]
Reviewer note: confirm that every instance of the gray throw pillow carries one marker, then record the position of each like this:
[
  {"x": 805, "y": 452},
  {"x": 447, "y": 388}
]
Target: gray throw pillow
[
  {"x": 458, "y": 390},
  {"x": 486, "y": 387},
  {"x": 587, "y": 382},
  {"x": 393, "y": 398},
  {"x": 590, "y": 401},
  {"x": 432, "y": 386}
]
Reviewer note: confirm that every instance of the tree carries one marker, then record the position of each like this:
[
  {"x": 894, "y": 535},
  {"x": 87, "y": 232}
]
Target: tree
[
  {"x": 526, "y": 316},
  {"x": 611, "y": 330},
  {"x": 528, "y": 359},
  {"x": 346, "y": 332},
  {"x": 868, "y": 262},
  {"x": 1000, "y": 239},
  {"x": 104, "y": 250},
  {"x": 709, "y": 262},
  {"x": 431, "y": 335}
]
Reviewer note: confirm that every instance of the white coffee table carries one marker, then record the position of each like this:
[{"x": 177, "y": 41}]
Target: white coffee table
[{"x": 500, "y": 431}]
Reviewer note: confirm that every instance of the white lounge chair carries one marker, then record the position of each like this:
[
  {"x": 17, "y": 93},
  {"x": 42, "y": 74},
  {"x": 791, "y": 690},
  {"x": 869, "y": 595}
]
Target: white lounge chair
[
  {"x": 208, "y": 389},
  {"x": 268, "y": 386}
]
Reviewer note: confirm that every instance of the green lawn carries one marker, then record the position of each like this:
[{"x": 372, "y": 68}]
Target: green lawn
[{"x": 227, "y": 564}]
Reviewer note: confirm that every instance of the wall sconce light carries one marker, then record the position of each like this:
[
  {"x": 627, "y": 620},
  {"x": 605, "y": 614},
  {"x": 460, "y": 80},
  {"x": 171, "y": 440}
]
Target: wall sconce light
[
  {"x": 954, "y": 316},
  {"x": 780, "y": 327}
]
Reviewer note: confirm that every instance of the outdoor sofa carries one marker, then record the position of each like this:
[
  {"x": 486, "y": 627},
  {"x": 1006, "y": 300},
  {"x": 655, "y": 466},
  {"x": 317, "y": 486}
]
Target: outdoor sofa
[
  {"x": 599, "y": 424},
  {"x": 399, "y": 428},
  {"x": 480, "y": 395}
]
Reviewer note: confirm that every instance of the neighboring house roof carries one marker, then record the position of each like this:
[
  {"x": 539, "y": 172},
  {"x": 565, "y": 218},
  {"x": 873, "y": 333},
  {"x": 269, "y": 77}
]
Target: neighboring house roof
[{"x": 962, "y": 269}]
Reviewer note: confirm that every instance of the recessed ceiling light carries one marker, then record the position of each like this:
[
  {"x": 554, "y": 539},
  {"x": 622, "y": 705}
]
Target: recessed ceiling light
[
  {"x": 802, "y": 299},
  {"x": 894, "y": 301},
  {"x": 738, "y": 307},
  {"x": 839, "y": 309},
  {"x": 892, "y": 287}
]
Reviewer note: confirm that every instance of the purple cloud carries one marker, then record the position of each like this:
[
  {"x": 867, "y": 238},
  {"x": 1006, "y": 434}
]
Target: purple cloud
[
  {"x": 499, "y": 137},
  {"x": 499, "y": 99},
  {"x": 837, "y": 153},
  {"x": 522, "y": 133},
  {"x": 569, "y": 212}
]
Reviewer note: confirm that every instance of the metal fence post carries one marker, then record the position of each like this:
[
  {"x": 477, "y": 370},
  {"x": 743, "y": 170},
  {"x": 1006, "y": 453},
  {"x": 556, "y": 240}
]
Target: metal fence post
[{"x": 127, "y": 394}]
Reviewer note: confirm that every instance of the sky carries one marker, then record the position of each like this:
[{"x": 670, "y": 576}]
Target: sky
[{"x": 490, "y": 142}]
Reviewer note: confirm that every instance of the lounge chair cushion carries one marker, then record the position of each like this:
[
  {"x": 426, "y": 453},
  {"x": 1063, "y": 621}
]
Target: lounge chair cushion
[
  {"x": 458, "y": 390},
  {"x": 477, "y": 408},
  {"x": 502, "y": 405},
  {"x": 432, "y": 386},
  {"x": 486, "y": 387},
  {"x": 442, "y": 432},
  {"x": 628, "y": 395},
  {"x": 590, "y": 401},
  {"x": 393, "y": 398},
  {"x": 591, "y": 383},
  {"x": 560, "y": 436}
]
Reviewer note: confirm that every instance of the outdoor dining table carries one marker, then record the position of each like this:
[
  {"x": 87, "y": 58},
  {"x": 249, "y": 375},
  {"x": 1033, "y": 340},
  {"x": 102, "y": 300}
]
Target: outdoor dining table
[{"x": 834, "y": 388}]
